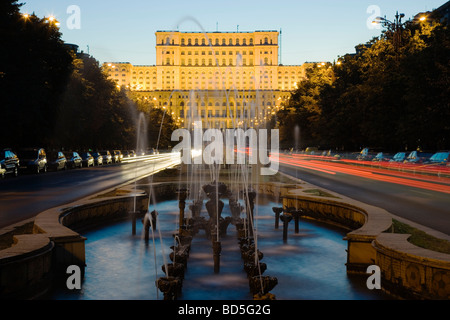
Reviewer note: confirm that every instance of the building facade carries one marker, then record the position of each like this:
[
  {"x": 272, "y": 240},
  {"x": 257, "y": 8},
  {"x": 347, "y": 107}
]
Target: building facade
[{"x": 225, "y": 79}]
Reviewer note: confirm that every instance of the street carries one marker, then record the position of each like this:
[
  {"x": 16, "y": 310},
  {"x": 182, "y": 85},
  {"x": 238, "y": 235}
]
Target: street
[
  {"x": 29, "y": 194},
  {"x": 419, "y": 198}
]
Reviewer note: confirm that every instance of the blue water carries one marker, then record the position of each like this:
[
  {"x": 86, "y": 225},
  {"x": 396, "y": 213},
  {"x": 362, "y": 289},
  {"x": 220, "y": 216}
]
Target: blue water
[{"x": 310, "y": 265}]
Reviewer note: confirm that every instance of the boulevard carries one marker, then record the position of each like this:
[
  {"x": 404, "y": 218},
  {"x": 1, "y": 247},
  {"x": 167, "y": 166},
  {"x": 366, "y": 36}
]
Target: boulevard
[
  {"x": 29, "y": 194},
  {"x": 420, "y": 198}
]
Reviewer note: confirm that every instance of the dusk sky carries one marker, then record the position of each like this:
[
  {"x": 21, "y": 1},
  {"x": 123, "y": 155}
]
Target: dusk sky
[{"x": 319, "y": 30}]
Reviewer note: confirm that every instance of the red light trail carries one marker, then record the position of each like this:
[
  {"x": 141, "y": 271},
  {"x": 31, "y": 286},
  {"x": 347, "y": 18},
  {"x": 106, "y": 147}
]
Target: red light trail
[{"x": 383, "y": 172}]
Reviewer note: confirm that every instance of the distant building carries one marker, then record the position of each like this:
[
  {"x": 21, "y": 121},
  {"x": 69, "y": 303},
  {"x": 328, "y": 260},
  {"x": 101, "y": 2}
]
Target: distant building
[
  {"x": 440, "y": 14},
  {"x": 75, "y": 49},
  {"x": 226, "y": 79},
  {"x": 444, "y": 12}
]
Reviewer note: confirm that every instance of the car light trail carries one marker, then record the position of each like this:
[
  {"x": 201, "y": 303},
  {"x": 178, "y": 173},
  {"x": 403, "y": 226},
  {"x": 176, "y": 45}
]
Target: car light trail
[{"x": 379, "y": 174}]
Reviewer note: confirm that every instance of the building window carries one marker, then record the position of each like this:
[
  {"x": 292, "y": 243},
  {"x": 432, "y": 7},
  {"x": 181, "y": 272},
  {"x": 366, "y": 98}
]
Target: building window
[
  {"x": 203, "y": 42},
  {"x": 244, "y": 42},
  {"x": 196, "y": 42},
  {"x": 230, "y": 42},
  {"x": 237, "y": 42},
  {"x": 217, "y": 42},
  {"x": 189, "y": 42}
]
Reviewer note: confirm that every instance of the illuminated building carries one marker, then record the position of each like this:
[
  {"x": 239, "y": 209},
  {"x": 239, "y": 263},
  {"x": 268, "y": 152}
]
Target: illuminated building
[{"x": 225, "y": 78}]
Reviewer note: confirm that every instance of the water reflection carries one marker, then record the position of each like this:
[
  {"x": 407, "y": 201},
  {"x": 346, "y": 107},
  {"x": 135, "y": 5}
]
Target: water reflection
[{"x": 310, "y": 265}]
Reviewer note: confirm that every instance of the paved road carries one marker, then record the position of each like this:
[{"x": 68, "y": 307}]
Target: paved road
[
  {"x": 29, "y": 194},
  {"x": 418, "y": 198}
]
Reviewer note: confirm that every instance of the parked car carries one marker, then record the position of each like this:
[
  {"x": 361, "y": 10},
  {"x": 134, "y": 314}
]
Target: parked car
[
  {"x": 33, "y": 159},
  {"x": 399, "y": 157},
  {"x": 367, "y": 154},
  {"x": 132, "y": 153},
  {"x": 381, "y": 156},
  {"x": 107, "y": 157},
  {"x": 98, "y": 158},
  {"x": 56, "y": 160},
  {"x": 441, "y": 158},
  {"x": 74, "y": 160},
  {"x": 117, "y": 156},
  {"x": 9, "y": 163},
  {"x": 126, "y": 154},
  {"x": 87, "y": 159},
  {"x": 418, "y": 157}
]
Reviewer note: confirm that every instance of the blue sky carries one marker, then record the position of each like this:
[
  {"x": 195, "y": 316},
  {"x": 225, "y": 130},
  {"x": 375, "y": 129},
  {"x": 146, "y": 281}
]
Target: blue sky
[{"x": 319, "y": 30}]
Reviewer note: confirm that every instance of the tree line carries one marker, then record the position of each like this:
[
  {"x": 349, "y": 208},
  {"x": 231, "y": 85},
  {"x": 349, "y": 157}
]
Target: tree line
[
  {"x": 392, "y": 94},
  {"x": 53, "y": 97}
]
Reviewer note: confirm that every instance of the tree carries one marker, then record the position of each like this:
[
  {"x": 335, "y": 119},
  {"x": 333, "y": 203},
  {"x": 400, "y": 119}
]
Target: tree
[
  {"x": 34, "y": 68},
  {"x": 303, "y": 109},
  {"x": 388, "y": 95},
  {"x": 160, "y": 125},
  {"x": 94, "y": 113}
]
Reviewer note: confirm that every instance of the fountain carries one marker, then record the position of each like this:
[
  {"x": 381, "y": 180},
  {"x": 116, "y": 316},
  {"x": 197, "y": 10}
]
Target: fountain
[
  {"x": 277, "y": 211},
  {"x": 215, "y": 225},
  {"x": 296, "y": 214},
  {"x": 286, "y": 218}
]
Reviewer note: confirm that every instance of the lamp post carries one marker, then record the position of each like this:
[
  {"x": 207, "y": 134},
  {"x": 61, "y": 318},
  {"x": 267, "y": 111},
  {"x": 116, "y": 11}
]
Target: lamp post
[
  {"x": 52, "y": 21},
  {"x": 396, "y": 27}
]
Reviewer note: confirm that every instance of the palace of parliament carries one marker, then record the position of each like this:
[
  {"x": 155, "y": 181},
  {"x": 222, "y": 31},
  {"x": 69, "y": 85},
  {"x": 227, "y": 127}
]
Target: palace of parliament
[{"x": 226, "y": 79}]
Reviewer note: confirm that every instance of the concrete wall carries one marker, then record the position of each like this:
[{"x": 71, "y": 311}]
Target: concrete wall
[{"x": 407, "y": 271}]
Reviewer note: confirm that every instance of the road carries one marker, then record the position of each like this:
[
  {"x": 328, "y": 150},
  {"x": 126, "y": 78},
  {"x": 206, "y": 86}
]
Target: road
[
  {"x": 27, "y": 195},
  {"x": 421, "y": 198}
]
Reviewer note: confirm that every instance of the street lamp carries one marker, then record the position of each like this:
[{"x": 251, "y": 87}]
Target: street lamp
[
  {"x": 395, "y": 26},
  {"x": 52, "y": 21}
]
